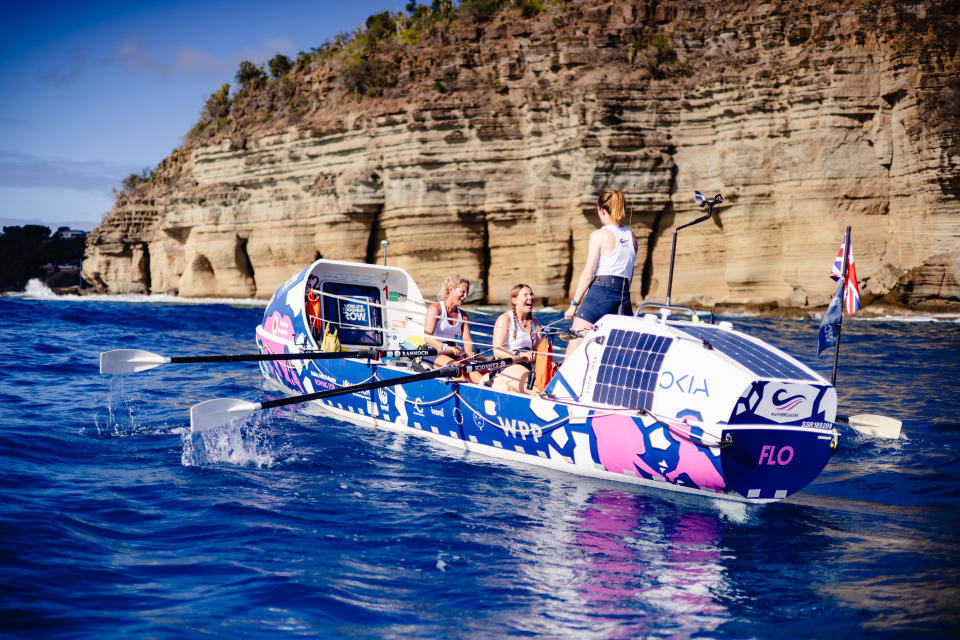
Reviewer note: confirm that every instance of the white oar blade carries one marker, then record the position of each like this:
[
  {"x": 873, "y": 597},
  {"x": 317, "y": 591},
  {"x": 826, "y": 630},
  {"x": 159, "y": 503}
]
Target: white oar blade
[
  {"x": 876, "y": 426},
  {"x": 121, "y": 361},
  {"x": 219, "y": 411}
]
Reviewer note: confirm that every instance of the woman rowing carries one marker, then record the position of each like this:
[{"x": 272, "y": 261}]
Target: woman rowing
[
  {"x": 604, "y": 285},
  {"x": 446, "y": 327},
  {"x": 514, "y": 336}
]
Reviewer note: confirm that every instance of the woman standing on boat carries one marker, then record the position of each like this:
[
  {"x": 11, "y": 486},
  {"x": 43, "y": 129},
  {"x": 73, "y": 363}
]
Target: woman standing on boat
[
  {"x": 446, "y": 325},
  {"x": 604, "y": 285},
  {"x": 514, "y": 336}
]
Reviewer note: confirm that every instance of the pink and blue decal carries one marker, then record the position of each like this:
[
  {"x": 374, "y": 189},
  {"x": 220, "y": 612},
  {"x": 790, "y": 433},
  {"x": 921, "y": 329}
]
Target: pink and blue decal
[
  {"x": 625, "y": 445},
  {"x": 621, "y": 445},
  {"x": 695, "y": 462},
  {"x": 277, "y": 334}
]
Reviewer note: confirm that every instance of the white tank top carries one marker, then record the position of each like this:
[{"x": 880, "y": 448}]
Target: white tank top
[
  {"x": 443, "y": 330},
  {"x": 618, "y": 262},
  {"x": 518, "y": 339}
]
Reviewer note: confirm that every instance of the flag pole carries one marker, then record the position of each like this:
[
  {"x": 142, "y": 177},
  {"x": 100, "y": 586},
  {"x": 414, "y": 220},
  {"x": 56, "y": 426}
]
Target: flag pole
[{"x": 843, "y": 291}]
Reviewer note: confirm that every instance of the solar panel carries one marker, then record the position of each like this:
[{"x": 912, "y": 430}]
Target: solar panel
[
  {"x": 628, "y": 370},
  {"x": 758, "y": 359}
]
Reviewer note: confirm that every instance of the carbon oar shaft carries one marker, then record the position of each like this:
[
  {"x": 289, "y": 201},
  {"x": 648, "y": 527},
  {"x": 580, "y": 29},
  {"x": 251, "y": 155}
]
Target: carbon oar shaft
[{"x": 372, "y": 354}]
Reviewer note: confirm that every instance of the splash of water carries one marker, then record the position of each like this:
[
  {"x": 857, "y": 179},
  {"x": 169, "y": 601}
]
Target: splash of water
[
  {"x": 237, "y": 443},
  {"x": 37, "y": 290}
]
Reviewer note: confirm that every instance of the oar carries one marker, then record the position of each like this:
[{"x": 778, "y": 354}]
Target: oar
[
  {"x": 121, "y": 361},
  {"x": 874, "y": 425},
  {"x": 220, "y": 411}
]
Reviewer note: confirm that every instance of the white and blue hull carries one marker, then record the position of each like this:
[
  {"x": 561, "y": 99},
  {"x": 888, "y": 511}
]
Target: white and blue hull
[{"x": 643, "y": 401}]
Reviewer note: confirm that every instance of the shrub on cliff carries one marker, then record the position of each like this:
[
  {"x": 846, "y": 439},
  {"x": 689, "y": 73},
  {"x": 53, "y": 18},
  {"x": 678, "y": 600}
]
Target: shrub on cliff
[
  {"x": 215, "y": 110},
  {"x": 656, "y": 58},
  {"x": 218, "y": 104},
  {"x": 250, "y": 77},
  {"x": 362, "y": 70},
  {"x": 366, "y": 62},
  {"x": 279, "y": 65},
  {"x": 480, "y": 10},
  {"x": 134, "y": 180}
]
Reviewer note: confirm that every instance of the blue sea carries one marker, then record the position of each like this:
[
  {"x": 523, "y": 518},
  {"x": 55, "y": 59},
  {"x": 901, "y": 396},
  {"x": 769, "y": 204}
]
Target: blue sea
[{"x": 115, "y": 524}]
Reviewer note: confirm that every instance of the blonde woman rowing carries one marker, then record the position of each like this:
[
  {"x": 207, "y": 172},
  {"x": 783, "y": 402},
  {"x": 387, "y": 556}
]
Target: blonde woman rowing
[
  {"x": 446, "y": 328},
  {"x": 514, "y": 336}
]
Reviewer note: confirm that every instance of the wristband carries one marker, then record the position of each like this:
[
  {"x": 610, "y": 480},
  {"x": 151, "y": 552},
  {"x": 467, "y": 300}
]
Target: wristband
[{"x": 574, "y": 303}]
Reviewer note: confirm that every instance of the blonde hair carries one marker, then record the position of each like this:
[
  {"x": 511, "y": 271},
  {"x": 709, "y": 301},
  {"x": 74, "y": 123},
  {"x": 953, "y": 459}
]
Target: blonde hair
[
  {"x": 612, "y": 201},
  {"x": 449, "y": 283}
]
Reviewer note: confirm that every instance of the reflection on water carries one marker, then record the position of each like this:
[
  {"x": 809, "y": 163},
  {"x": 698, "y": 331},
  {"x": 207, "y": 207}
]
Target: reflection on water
[
  {"x": 629, "y": 552},
  {"x": 609, "y": 563}
]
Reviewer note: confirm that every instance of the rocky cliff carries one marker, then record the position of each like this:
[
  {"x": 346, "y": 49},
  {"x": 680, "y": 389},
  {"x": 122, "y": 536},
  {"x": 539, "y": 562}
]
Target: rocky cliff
[{"x": 484, "y": 154}]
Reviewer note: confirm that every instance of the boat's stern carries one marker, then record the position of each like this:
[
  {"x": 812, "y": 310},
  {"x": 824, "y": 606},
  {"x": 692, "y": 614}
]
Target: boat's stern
[
  {"x": 763, "y": 419},
  {"x": 763, "y": 464}
]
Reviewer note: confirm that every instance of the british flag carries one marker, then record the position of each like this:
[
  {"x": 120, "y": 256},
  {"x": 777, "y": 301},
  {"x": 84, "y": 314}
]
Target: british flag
[{"x": 852, "y": 293}]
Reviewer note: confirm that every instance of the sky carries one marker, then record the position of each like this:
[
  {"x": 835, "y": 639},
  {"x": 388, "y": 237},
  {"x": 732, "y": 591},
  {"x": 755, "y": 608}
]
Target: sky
[{"x": 91, "y": 92}]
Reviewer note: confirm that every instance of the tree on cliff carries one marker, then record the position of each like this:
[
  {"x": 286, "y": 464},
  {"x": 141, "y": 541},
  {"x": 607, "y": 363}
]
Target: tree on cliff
[
  {"x": 279, "y": 65},
  {"x": 250, "y": 77}
]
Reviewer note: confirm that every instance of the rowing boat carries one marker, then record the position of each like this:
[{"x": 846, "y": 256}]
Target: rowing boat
[{"x": 661, "y": 399}]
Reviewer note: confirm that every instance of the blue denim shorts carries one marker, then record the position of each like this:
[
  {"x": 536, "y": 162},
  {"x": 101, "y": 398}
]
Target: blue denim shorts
[{"x": 607, "y": 294}]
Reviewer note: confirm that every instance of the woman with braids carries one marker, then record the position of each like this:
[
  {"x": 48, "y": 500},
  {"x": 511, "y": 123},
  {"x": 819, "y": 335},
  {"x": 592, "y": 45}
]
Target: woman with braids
[
  {"x": 514, "y": 336},
  {"x": 604, "y": 284},
  {"x": 446, "y": 328}
]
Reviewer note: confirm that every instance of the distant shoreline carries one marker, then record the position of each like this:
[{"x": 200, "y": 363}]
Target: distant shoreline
[{"x": 869, "y": 312}]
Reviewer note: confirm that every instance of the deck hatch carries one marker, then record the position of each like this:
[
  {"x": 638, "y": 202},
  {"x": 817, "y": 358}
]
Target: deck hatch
[
  {"x": 627, "y": 375},
  {"x": 758, "y": 359}
]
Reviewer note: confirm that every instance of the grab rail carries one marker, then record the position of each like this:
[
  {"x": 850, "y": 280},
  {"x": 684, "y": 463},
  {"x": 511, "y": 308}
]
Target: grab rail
[{"x": 672, "y": 307}]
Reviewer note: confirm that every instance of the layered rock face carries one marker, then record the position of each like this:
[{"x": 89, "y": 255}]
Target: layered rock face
[{"x": 486, "y": 156}]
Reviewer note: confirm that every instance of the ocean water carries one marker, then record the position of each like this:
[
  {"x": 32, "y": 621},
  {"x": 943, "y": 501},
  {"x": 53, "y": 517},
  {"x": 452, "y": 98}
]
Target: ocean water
[{"x": 115, "y": 523}]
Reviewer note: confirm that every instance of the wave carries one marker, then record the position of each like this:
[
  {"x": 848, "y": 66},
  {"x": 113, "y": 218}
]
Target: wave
[
  {"x": 917, "y": 317},
  {"x": 906, "y": 316},
  {"x": 36, "y": 290}
]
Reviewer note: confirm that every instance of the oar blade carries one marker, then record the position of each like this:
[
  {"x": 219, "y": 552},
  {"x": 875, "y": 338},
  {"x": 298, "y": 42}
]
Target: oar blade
[
  {"x": 210, "y": 414},
  {"x": 876, "y": 426},
  {"x": 121, "y": 361}
]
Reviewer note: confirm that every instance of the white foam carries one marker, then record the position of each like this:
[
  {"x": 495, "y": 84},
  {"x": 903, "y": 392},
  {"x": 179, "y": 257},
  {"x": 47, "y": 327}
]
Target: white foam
[
  {"x": 919, "y": 317},
  {"x": 36, "y": 290}
]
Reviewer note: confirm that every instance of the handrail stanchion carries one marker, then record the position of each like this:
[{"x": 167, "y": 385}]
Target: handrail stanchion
[{"x": 673, "y": 250}]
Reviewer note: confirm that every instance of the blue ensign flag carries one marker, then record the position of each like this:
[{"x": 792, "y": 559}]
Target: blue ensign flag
[{"x": 831, "y": 318}]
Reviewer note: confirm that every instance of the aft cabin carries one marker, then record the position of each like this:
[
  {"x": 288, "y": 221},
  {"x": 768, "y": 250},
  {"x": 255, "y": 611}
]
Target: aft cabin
[
  {"x": 692, "y": 371},
  {"x": 365, "y": 306}
]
